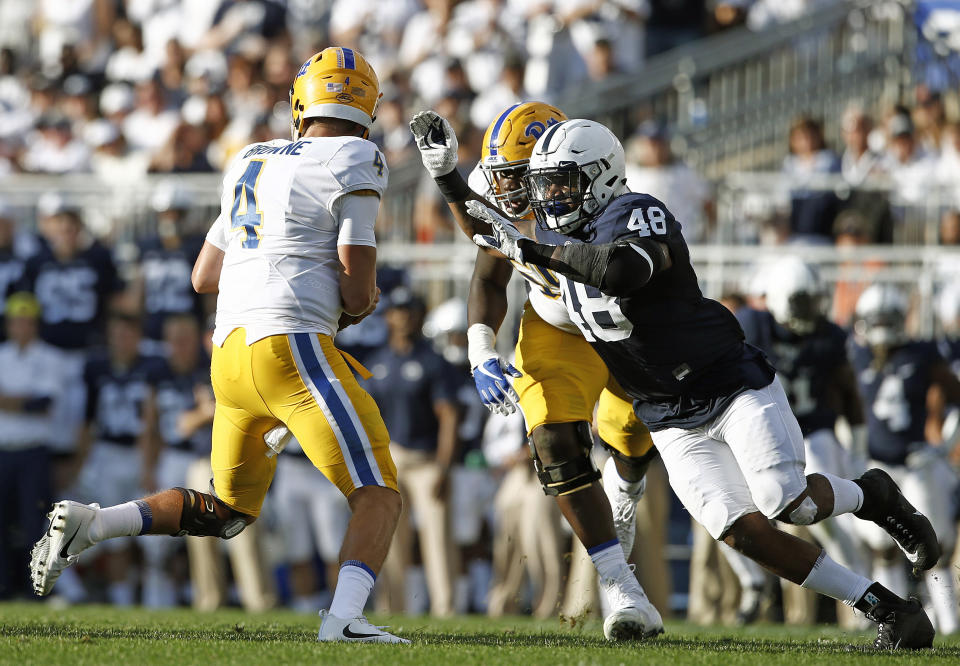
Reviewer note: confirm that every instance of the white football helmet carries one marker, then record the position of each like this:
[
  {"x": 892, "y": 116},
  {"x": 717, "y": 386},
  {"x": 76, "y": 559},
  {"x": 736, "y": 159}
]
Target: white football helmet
[
  {"x": 446, "y": 326},
  {"x": 795, "y": 294},
  {"x": 881, "y": 316},
  {"x": 576, "y": 169}
]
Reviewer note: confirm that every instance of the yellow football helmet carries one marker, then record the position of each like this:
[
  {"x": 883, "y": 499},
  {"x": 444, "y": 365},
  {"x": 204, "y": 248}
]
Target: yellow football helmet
[
  {"x": 335, "y": 83},
  {"x": 507, "y": 145}
]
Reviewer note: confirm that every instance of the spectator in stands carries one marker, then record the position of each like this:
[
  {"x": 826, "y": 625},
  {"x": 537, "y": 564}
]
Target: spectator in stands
[
  {"x": 415, "y": 388},
  {"x": 151, "y": 123},
  {"x": 929, "y": 118},
  {"x": 950, "y": 227},
  {"x": 508, "y": 90},
  {"x": 600, "y": 60},
  {"x": 74, "y": 278},
  {"x": 948, "y": 164},
  {"x": 858, "y": 161},
  {"x": 31, "y": 382},
  {"x": 813, "y": 206},
  {"x": 912, "y": 168},
  {"x": 851, "y": 230},
  {"x": 653, "y": 168},
  {"x": 54, "y": 148}
]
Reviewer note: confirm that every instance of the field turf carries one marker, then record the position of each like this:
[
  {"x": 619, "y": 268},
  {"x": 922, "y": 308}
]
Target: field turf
[{"x": 38, "y": 634}]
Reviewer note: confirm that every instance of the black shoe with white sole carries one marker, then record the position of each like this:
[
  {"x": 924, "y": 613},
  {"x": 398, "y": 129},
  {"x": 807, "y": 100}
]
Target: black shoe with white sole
[{"x": 903, "y": 625}]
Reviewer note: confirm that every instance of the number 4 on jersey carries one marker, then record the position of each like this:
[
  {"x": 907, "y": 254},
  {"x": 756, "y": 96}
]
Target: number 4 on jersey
[
  {"x": 656, "y": 218},
  {"x": 251, "y": 218}
]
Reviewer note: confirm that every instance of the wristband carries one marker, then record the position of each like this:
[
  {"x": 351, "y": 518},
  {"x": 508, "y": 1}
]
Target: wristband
[
  {"x": 453, "y": 187},
  {"x": 480, "y": 344}
]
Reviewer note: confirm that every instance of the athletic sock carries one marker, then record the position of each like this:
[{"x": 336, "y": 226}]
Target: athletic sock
[
  {"x": 354, "y": 583},
  {"x": 749, "y": 573},
  {"x": 847, "y": 495},
  {"x": 943, "y": 599},
  {"x": 829, "y": 578},
  {"x": 875, "y": 594},
  {"x": 608, "y": 558},
  {"x": 128, "y": 519}
]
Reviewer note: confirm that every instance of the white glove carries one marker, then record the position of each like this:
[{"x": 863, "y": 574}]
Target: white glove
[
  {"x": 436, "y": 141},
  {"x": 506, "y": 237}
]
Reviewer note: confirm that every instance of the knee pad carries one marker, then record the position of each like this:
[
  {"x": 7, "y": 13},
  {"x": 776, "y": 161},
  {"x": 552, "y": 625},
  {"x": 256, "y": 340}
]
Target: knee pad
[
  {"x": 805, "y": 513},
  {"x": 569, "y": 471},
  {"x": 205, "y": 514}
]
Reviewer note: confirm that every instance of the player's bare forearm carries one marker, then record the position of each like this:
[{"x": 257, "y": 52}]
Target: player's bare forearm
[
  {"x": 447, "y": 420},
  {"x": 847, "y": 396},
  {"x": 206, "y": 271},
  {"x": 358, "y": 278},
  {"x": 468, "y": 224},
  {"x": 487, "y": 300}
]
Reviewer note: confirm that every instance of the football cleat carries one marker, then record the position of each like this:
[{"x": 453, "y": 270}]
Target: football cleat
[
  {"x": 902, "y": 625},
  {"x": 886, "y": 506},
  {"x": 355, "y": 630},
  {"x": 66, "y": 537},
  {"x": 623, "y": 504},
  {"x": 632, "y": 616}
]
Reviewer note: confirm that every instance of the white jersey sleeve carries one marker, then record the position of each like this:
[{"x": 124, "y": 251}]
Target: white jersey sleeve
[{"x": 280, "y": 224}]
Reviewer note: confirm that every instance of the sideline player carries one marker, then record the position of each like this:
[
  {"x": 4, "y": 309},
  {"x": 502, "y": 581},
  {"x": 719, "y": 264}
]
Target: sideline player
[
  {"x": 559, "y": 378},
  {"x": 899, "y": 378},
  {"x": 719, "y": 416},
  {"x": 292, "y": 254}
]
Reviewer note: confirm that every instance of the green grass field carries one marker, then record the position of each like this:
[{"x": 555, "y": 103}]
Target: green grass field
[{"x": 38, "y": 634}]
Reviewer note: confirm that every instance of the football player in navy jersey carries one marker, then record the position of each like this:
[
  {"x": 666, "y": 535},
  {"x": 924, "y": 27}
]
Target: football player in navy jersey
[
  {"x": 118, "y": 448},
  {"x": 11, "y": 263},
  {"x": 719, "y": 416},
  {"x": 166, "y": 261},
  {"x": 897, "y": 378},
  {"x": 75, "y": 279},
  {"x": 184, "y": 407}
]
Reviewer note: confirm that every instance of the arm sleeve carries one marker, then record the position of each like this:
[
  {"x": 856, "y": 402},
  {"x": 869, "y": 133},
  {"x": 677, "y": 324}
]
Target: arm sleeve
[
  {"x": 217, "y": 236},
  {"x": 356, "y": 218},
  {"x": 616, "y": 269},
  {"x": 357, "y": 165}
]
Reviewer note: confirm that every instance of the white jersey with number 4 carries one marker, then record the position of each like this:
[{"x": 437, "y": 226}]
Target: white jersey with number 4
[{"x": 279, "y": 228}]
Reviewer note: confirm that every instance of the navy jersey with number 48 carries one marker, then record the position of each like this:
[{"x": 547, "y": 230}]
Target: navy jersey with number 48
[{"x": 681, "y": 356}]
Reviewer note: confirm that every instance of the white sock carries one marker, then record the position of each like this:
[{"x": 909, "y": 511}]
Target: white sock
[
  {"x": 749, "y": 573},
  {"x": 943, "y": 599},
  {"x": 893, "y": 576},
  {"x": 632, "y": 488},
  {"x": 608, "y": 558},
  {"x": 829, "y": 578},
  {"x": 416, "y": 600},
  {"x": 128, "y": 519},
  {"x": 847, "y": 496},
  {"x": 354, "y": 584}
]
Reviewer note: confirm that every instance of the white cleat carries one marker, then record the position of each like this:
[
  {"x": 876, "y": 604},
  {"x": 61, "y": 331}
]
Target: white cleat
[
  {"x": 354, "y": 630},
  {"x": 66, "y": 537},
  {"x": 623, "y": 504},
  {"x": 632, "y": 616}
]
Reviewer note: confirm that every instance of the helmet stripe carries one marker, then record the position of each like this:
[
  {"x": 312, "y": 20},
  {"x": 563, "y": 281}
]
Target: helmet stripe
[
  {"x": 496, "y": 129},
  {"x": 348, "y": 60},
  {"x": 549, "y": 136}
]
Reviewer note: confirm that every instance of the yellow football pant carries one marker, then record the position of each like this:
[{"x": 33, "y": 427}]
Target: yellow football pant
[
  {"x": 563, "y": 378},
  {"x": 303, "y": 381}
]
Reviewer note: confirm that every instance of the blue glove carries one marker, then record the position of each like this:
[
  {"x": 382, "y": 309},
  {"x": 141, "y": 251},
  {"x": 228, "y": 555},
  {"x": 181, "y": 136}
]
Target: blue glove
[{"x": 494, "y": 388}]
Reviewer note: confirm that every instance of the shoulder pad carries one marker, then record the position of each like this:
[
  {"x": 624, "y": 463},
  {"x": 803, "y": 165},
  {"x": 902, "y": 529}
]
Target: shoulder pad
[{"x": 359, "y": 165}]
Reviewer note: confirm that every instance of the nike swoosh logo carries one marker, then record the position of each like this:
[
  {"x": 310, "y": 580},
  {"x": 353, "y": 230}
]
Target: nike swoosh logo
[
  {"x": 63, "y": 549},
  {"x": 349, "y": 634}
]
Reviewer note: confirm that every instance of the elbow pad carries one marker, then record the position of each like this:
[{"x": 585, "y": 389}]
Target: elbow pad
[{"x": 631, "y": 266}]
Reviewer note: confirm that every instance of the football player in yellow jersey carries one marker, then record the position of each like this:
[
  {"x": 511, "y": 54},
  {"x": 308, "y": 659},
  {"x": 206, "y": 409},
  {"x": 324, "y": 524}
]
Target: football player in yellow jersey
[
  {"x": 558, "y": 377},
  {"x": 292, "y": 257}
]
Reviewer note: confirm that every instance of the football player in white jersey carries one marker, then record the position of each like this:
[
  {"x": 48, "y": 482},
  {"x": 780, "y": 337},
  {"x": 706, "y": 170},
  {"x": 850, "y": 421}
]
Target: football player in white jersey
[
  {"x": 293, "y": 258},
  {"x": 559, "y": 379}
]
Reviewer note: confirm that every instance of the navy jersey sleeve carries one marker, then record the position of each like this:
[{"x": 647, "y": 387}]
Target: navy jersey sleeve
[
  {"x": 90, "y": 374},
  {"x": 443, "y": 381}
]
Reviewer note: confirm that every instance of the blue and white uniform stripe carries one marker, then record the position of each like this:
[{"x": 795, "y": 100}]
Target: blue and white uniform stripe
[
  {"x": 349, "y": 62},
  {"x": 328, "y": 392}
]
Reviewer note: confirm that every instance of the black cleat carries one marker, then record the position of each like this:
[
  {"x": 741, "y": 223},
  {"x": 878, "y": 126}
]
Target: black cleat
[
  {"x": 903, "y": 625},
  {"x": 885, "y": 505}
]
